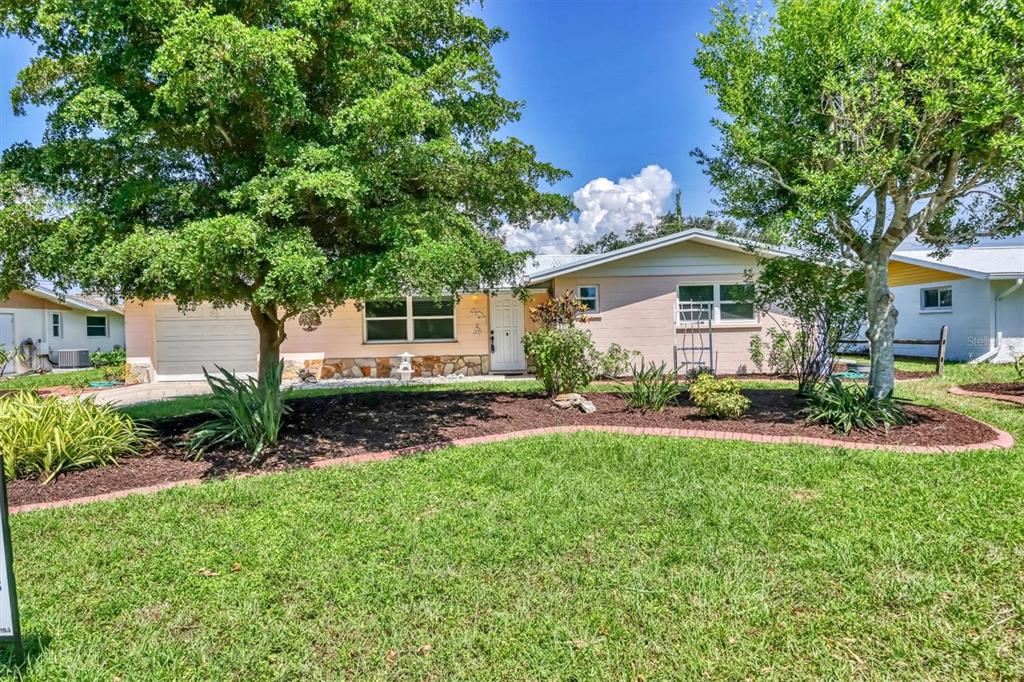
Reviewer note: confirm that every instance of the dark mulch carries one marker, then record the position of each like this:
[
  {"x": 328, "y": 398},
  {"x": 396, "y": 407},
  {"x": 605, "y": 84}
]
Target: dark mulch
[
  {"x": 338, "y": 426},
  {"x": 1010, "y": 393},
  {"x": 1015, "y": 389}
]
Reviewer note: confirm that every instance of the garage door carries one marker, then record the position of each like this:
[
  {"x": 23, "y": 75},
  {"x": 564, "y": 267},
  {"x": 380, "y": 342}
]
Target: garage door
[{"x": 205, "y": 337}]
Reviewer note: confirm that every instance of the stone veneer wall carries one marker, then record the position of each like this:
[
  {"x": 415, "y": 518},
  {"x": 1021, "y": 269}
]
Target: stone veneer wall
[{"x": 422, "y": 366}]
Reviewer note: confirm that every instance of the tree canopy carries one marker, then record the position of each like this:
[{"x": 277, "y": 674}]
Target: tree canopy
[
  {"x": 286, "y": 156},
  {"x": 848, "y": 125}
]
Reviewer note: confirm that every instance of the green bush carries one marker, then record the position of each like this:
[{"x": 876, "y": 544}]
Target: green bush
[
  {"x": 614, "y": 362},
  {"x": 114, "y": 358},
  {"x": 846, "y": 407},
  {"x": 718, "y": 397},
  {"x": 653, "y": 388},
  {"x": 695, "y": 373},
  {"x": 46, "y": 436},
  {"x": 562, "y": 358},
  {"x": 1018, "y": 365},
  {"x": 247, "y": 413}
]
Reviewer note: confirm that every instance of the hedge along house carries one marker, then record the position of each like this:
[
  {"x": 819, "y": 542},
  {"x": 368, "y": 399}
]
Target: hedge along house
[
  {"x": 39, "y": 324},
  {"x": 978, "y": 293},
  {"x": 663, "y": 298}
]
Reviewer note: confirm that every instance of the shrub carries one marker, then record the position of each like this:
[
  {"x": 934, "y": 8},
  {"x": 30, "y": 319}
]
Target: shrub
[
  {"x": 847, "y": 407},
  {"x": 614, "y": 362},
  {"x": 562, "y": 358},
  {"x": 247, "y": 413},
  {"x": 114, "y": 358},
  {"x": 824, "y": 302},
  {"x": 1018, "y": 365},
  {"x": 695, "y": 373},
  {"x": 653, "y": 388},
  {"x": 561, "y": 311},
  {"x": 718, "y": 397},
  {"x": 46, "y": 436}
]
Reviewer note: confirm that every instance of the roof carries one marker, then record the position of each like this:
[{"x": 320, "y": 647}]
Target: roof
[
  {"x": 92, "y": 304},
  {"x": 979, "y": 262},
  {"x": 564, "y": 264}
]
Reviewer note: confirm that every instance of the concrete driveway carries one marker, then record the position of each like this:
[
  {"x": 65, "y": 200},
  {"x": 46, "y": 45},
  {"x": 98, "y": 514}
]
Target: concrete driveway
[{"x": 147, "y": 393}]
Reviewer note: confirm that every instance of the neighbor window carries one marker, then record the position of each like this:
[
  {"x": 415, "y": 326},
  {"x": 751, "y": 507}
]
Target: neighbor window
[
  {"x": 725, "y": 303},
  {"x": 937, "y": 298},
  {"x": 411, "y": 319},
  {"x": 56, "y": 326},
  {"x": 588, "y": 297},
  {"x": 95, "y": 325}
]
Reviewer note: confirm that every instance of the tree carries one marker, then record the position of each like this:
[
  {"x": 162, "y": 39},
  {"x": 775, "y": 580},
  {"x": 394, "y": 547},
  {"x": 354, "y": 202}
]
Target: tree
[
  {"x": 282, "y": 156},
  {"x": 851, "y": 124},
  {"x": 667, "y": 224},
  {"x": 825, "y": 302}
]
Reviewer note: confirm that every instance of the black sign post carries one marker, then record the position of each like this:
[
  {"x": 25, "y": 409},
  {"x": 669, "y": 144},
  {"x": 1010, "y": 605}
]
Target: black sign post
[{"x": 10, "y": 627}]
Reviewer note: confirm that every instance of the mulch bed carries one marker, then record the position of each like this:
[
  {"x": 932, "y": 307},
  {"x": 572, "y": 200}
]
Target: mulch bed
[
  {"x": 345, "y": 425},
  {"x": 1011, "y": 392}
]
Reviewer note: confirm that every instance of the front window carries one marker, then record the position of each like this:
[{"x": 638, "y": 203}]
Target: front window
[
  {"x": 937, "y": 298},
  {"x": 95, "y": 325},
  {"x": 587, "y": 295},
  {"x": 410, "y": 319},
  {"x": 720, "y": 303},
  {"x": 736, "y": 303},
  {"x": 56, "y": 326},
  {"x": 696, "y": 302}
]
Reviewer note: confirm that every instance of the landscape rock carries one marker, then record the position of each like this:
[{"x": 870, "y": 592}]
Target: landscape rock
[{"x": 566, "y": 401}]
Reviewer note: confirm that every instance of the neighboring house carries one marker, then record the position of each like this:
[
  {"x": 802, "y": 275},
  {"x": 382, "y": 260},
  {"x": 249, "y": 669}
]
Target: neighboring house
[
  {"x": 977, "y": 292},
  {"x": 650, "y": 297},
  {"x": 38, "y": 323}
]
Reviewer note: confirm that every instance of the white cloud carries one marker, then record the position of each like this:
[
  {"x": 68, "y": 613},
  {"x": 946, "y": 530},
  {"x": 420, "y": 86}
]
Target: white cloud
[{"x": 604, "y": 206}]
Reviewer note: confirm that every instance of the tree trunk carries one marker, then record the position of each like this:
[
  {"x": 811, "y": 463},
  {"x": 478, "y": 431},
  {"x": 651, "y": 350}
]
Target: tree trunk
[
  {"x": 881, "y": 325},
  {"x": 271, "y": 336}
]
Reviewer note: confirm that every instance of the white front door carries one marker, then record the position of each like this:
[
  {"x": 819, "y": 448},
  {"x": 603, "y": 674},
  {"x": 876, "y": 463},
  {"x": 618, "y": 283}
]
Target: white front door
[
  {"x": 7, "y": 338},
  {"x": 507, "y": 322}
]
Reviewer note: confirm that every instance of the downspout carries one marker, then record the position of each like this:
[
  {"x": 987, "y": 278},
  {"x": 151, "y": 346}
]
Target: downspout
[{"x": 995, "y": 321}]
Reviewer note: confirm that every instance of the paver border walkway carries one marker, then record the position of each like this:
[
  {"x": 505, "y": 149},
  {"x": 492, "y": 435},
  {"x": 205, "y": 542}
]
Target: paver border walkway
[
  {"x": 1015, "y": 399},
  {"x": 1003, "y": 440}
]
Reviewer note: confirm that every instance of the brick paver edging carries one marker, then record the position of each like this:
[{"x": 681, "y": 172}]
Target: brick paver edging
[
  {"x": 1019, "y": 400},
  {"x": 1003, "y": 440}
]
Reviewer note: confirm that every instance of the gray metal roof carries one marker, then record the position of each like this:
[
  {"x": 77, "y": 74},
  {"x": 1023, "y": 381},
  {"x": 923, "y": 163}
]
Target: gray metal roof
[{"x": 980, "y": 262}]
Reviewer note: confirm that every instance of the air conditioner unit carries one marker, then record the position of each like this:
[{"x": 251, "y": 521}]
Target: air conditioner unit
[{"x": 73, "y": 358}]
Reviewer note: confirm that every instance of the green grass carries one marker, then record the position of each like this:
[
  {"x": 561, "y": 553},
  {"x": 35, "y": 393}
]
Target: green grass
[
  {"x": 51, "y": 379},
  {"x": 574, "y": 557}
]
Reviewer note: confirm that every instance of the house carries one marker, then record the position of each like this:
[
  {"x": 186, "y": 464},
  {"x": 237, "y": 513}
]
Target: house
[
  {"x": 38, "y": 323},
  {"x": 978, "y": 293},
  {"x": 676, "y": 299}
]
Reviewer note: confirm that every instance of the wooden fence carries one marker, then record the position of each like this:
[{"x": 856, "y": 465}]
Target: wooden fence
[{"x": 940, "y": 356}]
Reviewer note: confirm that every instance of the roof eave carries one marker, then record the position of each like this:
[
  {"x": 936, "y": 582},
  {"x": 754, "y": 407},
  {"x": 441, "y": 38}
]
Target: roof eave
[{"x": 636, "y": 249}]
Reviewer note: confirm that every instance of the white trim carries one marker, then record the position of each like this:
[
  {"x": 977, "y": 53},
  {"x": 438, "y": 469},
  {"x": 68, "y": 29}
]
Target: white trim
[
  {"x": 596, "y": 297},
  {"x": 410, "y": 320},
  {"x": 56, "y": 320},
  {"x": 700, "y": 236}
]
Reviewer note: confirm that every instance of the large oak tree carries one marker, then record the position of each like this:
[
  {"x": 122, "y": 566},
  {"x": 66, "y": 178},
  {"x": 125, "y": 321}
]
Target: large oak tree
[
  {"x": 849, "y": 125},
  {"x": 281, "y": 155}
]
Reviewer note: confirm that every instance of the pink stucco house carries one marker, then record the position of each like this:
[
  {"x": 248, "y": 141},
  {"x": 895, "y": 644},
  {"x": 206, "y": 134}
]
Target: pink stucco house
[{"x": 673, "y": 299}]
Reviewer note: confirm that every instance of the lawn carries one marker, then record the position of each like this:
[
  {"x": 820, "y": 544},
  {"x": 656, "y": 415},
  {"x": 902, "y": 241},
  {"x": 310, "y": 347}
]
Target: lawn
[
  {"x": 572, "y": 557},
  {"x": 27, "y": 382}
]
